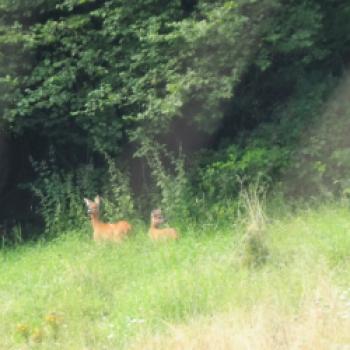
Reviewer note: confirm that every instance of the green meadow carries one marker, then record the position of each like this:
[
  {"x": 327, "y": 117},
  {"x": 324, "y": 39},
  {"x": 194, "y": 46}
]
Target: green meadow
[{"x": 195, "y": 293}]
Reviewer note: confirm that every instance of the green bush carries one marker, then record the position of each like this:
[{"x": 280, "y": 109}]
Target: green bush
[
  {"x": 223, "y": 177},
  {"x": 321, "y": 160},
  {"x": 171, "y": 188},
  {"x": 61, "y": 192}
]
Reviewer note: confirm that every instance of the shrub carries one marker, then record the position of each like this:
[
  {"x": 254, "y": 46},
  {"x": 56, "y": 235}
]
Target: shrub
[
  {"x": 222, "y": 177},
  {"x": 61, "y": 192},
  {"x": 172, "y": 188}
]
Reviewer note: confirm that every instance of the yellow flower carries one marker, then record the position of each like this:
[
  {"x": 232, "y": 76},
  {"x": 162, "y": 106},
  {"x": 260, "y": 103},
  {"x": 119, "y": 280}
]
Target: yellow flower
[
  {"x": 53, "y": 319},
  {"x": 23, "y": 330}
]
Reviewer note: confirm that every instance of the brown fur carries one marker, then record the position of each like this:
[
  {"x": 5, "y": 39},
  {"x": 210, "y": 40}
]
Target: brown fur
[
  {"x": 157, "y": 233},
  {"x": 102, "y": 230}
]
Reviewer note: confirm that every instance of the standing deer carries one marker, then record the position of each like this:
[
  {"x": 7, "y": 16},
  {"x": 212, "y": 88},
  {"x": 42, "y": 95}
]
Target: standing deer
[
  {"x": 102, "y": 230},
  {"x": 157, "y": 233}
]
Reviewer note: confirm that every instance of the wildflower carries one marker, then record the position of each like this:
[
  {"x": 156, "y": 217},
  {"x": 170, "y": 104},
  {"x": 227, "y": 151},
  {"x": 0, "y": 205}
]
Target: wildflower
[
  {"x": 53, "y": 320},
  {"x": 23, "y": 330}
]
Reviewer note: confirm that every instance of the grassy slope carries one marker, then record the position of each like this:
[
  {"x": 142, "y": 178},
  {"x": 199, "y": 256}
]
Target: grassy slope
[{"x": 187, "y": 294}]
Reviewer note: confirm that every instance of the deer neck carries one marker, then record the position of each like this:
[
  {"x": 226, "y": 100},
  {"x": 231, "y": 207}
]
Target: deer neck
[
  {"x": 154, "y": 227},
  {"x": 95, "y": 221}
]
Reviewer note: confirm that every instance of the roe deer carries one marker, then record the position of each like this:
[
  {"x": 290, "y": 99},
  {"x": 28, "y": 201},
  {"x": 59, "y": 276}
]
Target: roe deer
[
  {"x": 102, "y": 230},
  {"x": 157, "y": 233}
]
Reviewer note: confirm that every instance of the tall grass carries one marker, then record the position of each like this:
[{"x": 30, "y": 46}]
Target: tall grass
[
  {"x": 317, "y": 324},
  {"x": 71, "y": 293},
  {"x": 253, "y": 204}
]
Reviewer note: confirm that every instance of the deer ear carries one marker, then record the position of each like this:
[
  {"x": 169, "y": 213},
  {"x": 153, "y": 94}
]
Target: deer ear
[
  {"x": 97, "y": 200},
  {"x": 87, "y": 201}
]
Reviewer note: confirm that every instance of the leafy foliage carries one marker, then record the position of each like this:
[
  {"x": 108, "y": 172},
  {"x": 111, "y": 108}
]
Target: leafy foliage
[
  {"x": 223, "y": 176},
  {"x": 99, "y": 69},
  {"x": 88, "y": 77},
  {"x": 320, "y": 162},
  {"x": 171, "y": 186}
]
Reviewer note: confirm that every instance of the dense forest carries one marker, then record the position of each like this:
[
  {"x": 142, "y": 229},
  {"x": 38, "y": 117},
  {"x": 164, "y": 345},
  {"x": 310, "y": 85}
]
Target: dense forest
[{"x": 171, "y": 103}]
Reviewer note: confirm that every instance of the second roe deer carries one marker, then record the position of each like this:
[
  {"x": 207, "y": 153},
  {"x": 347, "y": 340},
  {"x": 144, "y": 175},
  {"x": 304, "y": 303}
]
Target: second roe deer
[
  {"x": 102, "y": 230},
  {"x": 157, "y": 233}
]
